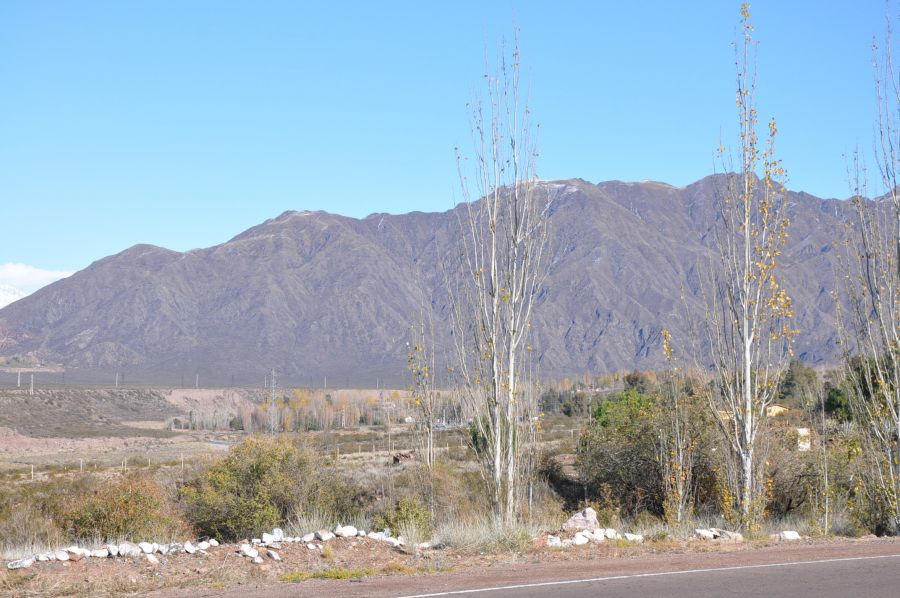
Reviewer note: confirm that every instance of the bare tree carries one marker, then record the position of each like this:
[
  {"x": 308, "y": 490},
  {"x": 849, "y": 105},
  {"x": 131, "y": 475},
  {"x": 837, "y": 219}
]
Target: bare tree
[
  {"x": 748, "y": 312},
  {"x": 870, "y": 326},
  {"x": 682, "y": 422},
  {"x": 421, "y": 363},
  {"x": 504, "y": 229}
]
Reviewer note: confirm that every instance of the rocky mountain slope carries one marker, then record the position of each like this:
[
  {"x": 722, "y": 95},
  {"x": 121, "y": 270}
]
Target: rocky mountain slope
[{"x": 314, "y": 294}]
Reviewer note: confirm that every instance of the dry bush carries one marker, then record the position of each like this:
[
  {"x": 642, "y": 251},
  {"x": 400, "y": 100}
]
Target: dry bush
[
  {"x": 25, "y": 530},
  {"x": 122, "y": 507},
  {"x": 37, "y": 516}
]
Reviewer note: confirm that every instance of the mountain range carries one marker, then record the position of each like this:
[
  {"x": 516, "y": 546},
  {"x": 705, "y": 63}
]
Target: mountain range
[{"x": 316, "y": 295}]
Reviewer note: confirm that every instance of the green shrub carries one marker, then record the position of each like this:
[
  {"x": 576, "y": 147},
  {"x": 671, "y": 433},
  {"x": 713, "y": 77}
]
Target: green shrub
[
  {"x": 261, "y": 484},
  {"x": 408, "y": 512}
]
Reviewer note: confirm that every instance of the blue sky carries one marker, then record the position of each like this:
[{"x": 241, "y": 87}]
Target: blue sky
[{"x": 183, "y": 123}]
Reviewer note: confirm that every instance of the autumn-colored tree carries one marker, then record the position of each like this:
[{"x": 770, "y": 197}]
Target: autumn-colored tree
[{"x": 747, "y": 324}]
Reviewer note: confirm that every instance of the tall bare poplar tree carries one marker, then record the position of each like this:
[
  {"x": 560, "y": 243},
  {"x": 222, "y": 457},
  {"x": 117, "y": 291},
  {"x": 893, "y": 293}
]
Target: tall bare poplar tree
[
  {"x": 870, "y": 327},
  {"x": 748, "y": 312},
  {"x": 504, "y": 229}
]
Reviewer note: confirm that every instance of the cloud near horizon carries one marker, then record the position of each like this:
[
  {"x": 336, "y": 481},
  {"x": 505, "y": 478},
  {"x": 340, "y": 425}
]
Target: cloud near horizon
[{"x": 27, "y": 278}]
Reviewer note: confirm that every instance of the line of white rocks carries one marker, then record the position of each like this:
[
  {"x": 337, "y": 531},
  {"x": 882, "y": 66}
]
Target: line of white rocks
[
  {"x": 254, "y": 549},
  {"x": 585, "y": 536},
  {"x": 718, "y": 535},
  {"x": 587, "y": 529},
  {"x": 147, "y": 550},
  {"x": 269, "y": 542}
]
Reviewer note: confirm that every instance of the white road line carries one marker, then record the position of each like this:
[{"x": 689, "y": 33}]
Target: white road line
[{"x": 639, "y": 575}]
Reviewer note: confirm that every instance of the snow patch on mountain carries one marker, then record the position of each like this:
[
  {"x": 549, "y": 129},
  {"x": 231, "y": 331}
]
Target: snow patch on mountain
[{"x": 9, "y": 293}]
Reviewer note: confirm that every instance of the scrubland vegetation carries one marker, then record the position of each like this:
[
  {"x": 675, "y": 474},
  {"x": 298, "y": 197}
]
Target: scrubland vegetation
[{"x": 619, "y": 459}]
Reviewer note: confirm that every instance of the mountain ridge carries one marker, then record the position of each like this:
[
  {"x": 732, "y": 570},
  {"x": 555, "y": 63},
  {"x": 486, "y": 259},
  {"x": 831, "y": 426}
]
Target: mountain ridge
[{"x": 315, "y": 294}]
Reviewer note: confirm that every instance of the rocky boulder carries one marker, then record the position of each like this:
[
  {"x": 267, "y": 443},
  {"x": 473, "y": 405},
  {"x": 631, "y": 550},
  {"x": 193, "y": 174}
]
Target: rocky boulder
[
  {"x": 583, "y": 520},
  {"x": 21, "y": 563}
]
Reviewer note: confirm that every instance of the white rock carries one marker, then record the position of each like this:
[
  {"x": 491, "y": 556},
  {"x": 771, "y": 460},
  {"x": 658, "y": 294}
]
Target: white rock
[
  {"x": 424, "y": 546},
  {"x": 789, "y": 535},
  {"x": 249, "y": 551},
  {"x": 308, "y": 538},
  {"x": 566, "y": 543},
  {"x": 129, "y": 549},
  {"x": 586, "y": 519},
  {"x": 113, "y": 549},
  {"x": 21, "y": 563},
  {"x": 581, "y": 539},
  {"x": 213, "y": 542},
  {"x": 392, "y": 541},
  {"x": 273, "y": 555},
  {"x": 726, "y": 536},
  {"x": 361, "y": 534},
  {"x": 376, "y": 535},
  {"x": 61, "y": 555},
  {"x": 634, "y": 537},
  {"x": 348, "y": 531},
  {"x": 612, "y": 534},
  {"x": 312, "y": 546},
  {"x": 704, "y": 534},
  {"x": 100, "y": 553},
  {"x": 324, "y": 535},
  {"x": 599, "y": 535},
  {"x": 203, "y": 545},
  {"x": 268, "y": 538},
  {"x": 164, "y": 549},
  {"x": 278, "y": 533},
  {"x": 151, "y": 558},
  {"x": 146, "y": 547},
  {"x": 256, "y": 541},
  {"x": 553, "y": 541},
  {"x": 257, "y": 560},
  {"x": 45, "y": 556},
  {"x": 189, "y": 548},
  {"x": 337, "y": 528}
]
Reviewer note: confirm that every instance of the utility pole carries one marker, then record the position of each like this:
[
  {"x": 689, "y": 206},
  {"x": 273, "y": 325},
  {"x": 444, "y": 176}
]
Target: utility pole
[
  {"x": 19, "y": 380},
  {"x": 117, "y": 379},
  {"x": 32, "y": 383},
  {"x": 197, "y": 381}
]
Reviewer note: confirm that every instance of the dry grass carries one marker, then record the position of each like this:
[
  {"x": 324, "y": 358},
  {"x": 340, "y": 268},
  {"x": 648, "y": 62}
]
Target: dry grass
[
  {"x": 486, "y": 536},
  {"x": 332, "y": 573}
]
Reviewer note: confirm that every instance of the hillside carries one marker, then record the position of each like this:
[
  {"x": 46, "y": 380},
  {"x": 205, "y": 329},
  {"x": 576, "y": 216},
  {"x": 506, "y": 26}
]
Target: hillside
[{"x": 314, "y": 294}]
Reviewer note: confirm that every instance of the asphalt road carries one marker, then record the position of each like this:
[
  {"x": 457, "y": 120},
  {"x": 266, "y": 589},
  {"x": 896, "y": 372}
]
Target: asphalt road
[
  {"x": 869, "y": 577},
  {"x": 856, "y": 569}
]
